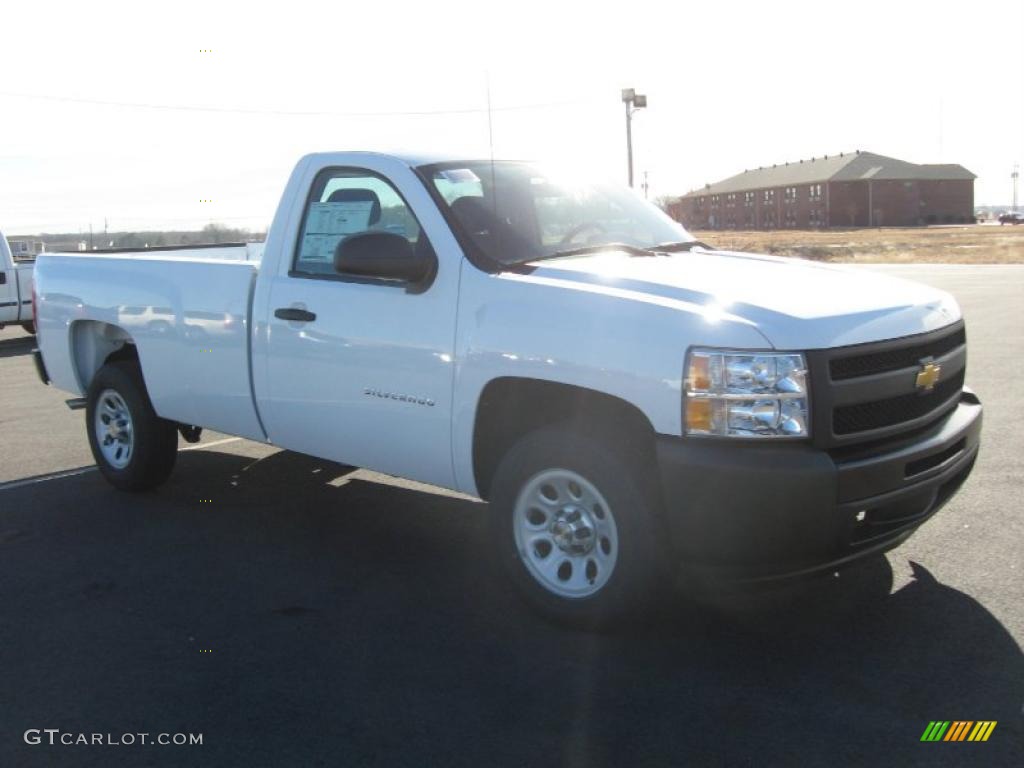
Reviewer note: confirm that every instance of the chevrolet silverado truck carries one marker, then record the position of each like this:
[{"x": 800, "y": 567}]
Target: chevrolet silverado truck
[
  {"x": 632, "y": 403},
  {"x": 15, "y": 289}
]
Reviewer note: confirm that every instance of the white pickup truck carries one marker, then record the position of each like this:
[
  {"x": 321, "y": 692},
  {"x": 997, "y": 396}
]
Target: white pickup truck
[
  {"x": 15, "y": 289},
  {"x": 632, "y": 403}
]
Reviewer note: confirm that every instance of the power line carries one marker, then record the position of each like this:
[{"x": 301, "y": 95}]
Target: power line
[{"x": 286, "y": 113}]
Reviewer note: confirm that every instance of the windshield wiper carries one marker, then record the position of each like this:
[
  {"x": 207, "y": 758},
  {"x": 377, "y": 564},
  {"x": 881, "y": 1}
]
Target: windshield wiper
[
  {"x": 682, "y": 245},
  {"x": 632, "y": 250}
]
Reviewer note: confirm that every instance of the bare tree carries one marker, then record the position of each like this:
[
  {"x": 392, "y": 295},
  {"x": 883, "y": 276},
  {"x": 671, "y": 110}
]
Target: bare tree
[{"x": 665, "y": 202}]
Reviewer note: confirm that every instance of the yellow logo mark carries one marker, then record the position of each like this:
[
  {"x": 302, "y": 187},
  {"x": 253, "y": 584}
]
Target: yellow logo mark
[{"x": 928, "y": 376}]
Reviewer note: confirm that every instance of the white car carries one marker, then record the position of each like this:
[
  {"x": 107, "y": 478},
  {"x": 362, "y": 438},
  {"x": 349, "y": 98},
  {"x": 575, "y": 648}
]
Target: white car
[
  {"x": 15, "y": 289},
  {"x": 630, "y": 401}
]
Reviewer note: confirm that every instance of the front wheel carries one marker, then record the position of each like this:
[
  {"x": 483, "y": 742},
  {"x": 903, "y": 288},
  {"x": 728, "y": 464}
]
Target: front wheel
[
  {"x": 134, "y": 448},
  {"x": 575, "y": 527}
]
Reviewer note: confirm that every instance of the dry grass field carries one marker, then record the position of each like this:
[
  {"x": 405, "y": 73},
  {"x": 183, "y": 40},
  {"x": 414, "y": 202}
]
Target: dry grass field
[{"x": 972, "y": 244}]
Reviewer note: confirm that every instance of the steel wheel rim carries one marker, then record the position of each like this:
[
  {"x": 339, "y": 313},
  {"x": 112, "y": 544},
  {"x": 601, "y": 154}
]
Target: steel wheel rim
[
  {"x": 565, "y": 533},
  {"x": 114, "y": 430}
]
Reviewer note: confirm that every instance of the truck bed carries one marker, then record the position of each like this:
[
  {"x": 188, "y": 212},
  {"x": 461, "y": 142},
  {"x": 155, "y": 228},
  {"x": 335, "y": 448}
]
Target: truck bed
[{"x": 187, "y": 314}]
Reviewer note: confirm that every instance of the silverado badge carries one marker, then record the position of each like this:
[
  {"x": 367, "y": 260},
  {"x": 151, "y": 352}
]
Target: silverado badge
[{"x": 928, "y": 376}]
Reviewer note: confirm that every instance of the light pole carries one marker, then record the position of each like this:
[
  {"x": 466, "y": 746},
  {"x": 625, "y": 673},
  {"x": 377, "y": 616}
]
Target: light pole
[
  {"x": 633, "y": 102},
  {"x": 1014, "y": 176}
]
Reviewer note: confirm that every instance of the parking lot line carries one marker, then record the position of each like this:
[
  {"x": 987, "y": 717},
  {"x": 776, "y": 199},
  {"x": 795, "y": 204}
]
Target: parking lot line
[
  {"x": 43, "y": 478},
  {"x": 197, "y": 446},
  {"x": 83, "y": 470}
]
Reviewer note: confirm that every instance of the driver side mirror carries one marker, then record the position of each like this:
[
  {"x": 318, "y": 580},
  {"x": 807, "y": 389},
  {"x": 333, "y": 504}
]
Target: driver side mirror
[{"x": 383, "y": 256}]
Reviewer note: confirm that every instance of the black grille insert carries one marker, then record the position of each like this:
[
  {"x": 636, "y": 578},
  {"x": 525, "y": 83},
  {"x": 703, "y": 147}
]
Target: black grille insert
[
  {"x": 930, "y": 462},
  {"x": 877, "y": 414},
  {"x": 894, "y": 359}
]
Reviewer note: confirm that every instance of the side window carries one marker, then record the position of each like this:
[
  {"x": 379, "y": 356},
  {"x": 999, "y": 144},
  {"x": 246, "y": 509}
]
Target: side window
[{"x": 348, "y": 201}]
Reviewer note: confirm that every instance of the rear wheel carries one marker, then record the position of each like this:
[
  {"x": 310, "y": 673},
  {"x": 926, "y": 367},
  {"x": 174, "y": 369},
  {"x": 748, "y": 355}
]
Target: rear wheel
[
  {"x": 575, "y": 528},
  {"x": 133, "y": 447},
  {"x": 29, "y": 327}
]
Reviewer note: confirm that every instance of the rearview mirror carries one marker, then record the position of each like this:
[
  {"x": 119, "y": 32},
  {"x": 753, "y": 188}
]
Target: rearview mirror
[{"x": 384, "y": 256}]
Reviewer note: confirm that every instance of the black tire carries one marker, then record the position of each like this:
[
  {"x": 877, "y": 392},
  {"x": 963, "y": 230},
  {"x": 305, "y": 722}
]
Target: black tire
[
  {"x": 154, "y": 446},
  {"x": 29, "y": 327},
  {"x": 637, "y": 576}
]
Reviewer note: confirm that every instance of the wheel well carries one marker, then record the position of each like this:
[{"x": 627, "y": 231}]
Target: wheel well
[
  {"x": 510, "y": 408},
  {"x": 93, "y": 344}
]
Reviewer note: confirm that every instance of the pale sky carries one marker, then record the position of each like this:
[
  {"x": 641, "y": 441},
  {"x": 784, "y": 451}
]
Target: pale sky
[{"x": 731, "y": 86}]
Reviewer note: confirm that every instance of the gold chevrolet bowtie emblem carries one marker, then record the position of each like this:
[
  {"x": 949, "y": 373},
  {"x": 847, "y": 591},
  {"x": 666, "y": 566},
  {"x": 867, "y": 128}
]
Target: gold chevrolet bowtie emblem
[{"x": 928, "y": 376}]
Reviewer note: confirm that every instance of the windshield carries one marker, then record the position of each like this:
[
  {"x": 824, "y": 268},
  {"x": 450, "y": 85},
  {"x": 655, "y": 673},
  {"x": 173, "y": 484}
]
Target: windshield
[{"x": 519, "y": 212}]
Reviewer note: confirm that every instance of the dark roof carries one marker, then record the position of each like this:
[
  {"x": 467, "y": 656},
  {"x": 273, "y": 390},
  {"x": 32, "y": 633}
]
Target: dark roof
[{"x": 850, "y": 166}]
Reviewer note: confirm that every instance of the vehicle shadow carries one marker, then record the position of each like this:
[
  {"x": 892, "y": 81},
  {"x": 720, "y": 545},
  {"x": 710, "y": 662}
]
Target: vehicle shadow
[
  {"x": 296, "y": 613},
  {"x": 18, "y": 346}
]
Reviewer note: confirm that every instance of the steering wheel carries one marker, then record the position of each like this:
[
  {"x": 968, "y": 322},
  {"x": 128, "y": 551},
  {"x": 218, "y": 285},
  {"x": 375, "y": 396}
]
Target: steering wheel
[{"x": 579, "y": 228}]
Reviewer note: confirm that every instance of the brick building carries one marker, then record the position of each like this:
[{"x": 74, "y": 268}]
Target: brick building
[{"x": 858, "y": 189}]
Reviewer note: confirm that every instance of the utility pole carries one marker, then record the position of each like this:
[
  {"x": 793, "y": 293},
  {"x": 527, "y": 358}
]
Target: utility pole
[
  {"x": 645, "y": 185},
  {"x": 633, "y": 102},
  {"x": 1015, "y": 175}
]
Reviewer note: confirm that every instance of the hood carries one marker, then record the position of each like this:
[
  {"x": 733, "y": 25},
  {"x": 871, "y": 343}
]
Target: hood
[{"x": 795, "y": 304}]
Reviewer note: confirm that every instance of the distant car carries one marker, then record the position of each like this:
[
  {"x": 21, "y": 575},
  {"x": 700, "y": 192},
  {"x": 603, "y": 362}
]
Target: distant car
[{"x": 1011, "y": 218}]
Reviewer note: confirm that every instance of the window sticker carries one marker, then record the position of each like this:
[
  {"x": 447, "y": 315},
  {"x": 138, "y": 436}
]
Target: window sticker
[
  {"x": 328, "y": 223},
  {"x": 319, "y": 247},
  {"x": 338, "y": 218},
  {"x": 460, "y": 176}
]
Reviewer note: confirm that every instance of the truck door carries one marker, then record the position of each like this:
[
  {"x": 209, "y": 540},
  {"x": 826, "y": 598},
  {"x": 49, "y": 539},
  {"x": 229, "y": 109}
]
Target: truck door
[
  {"x": 8, "y": 296},
  {"x": 360, "y": 370}
]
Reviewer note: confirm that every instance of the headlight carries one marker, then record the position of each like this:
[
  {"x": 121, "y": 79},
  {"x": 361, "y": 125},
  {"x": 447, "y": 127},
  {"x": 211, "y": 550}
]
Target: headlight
[{"x": 740, "y": 394}]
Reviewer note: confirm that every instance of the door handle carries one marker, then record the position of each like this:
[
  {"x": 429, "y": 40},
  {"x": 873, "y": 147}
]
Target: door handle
[{"x": 294, "y": 315}]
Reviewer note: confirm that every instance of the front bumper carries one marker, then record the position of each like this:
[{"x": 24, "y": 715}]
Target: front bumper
[{"x": 753, "y": 511}]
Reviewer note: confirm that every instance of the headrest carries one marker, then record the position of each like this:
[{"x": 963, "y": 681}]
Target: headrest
[
  {"x": 358, "y": 196},
  {"x": 473, "y": 214}
]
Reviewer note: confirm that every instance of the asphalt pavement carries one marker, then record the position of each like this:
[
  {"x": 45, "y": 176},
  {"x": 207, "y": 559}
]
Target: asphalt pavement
[{"x": 296, "y": 612}]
